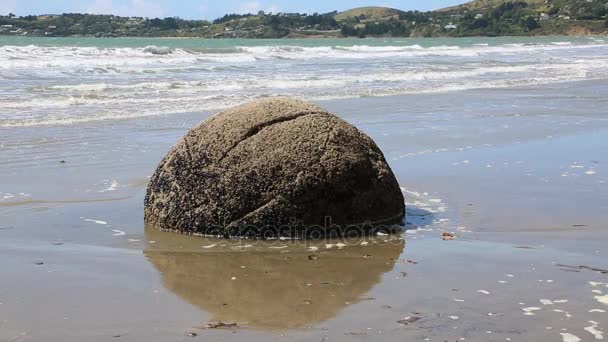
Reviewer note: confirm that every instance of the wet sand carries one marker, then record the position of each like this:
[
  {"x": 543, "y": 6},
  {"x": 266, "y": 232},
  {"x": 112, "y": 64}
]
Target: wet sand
[{"x": 517, "y": 175}]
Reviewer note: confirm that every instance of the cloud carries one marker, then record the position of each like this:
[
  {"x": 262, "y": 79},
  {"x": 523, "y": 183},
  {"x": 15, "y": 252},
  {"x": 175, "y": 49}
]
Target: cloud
[
  {"x": 256, "y": 6},
  {"x": 141, "y": 8}
]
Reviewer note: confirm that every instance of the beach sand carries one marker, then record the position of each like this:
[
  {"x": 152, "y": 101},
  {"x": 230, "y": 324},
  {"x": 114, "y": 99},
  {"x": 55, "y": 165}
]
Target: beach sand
[{"x": 517, "y": 175}]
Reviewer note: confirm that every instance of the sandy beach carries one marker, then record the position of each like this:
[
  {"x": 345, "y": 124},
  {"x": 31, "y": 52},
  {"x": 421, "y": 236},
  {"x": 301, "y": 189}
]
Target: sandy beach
[{"x": 516, "y": 174}]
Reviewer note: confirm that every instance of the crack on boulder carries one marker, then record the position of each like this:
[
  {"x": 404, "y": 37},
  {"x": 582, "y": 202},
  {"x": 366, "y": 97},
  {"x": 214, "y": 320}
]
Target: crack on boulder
[
  {"x": 259, "y": 127},
  {"x": 326, "y": 143},
  {"x": 253, "y": 211},
  {"x": 187, "y": 148}
]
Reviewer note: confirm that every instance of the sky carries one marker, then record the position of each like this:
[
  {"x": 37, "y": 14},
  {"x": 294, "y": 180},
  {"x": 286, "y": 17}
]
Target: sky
[{"x": 203, "y": 9}]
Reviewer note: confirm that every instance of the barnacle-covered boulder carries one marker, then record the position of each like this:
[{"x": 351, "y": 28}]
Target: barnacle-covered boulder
[{"x": 274, "y": 167}]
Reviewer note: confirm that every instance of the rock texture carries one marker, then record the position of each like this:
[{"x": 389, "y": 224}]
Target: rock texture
[{"x": 274, "y": 167}]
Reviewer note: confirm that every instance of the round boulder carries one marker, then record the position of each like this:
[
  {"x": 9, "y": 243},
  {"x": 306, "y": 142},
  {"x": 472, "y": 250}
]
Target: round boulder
[{"x": 274, "y": 167}]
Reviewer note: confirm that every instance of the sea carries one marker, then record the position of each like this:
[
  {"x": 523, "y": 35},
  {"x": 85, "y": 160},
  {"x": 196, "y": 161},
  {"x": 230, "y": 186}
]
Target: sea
[{"x": 62, "y": 81}]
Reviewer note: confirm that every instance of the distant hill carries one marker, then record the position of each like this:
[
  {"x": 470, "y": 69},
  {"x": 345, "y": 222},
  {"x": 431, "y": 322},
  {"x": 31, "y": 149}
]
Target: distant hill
[
  {"x": 369, "y": 13},
  {"x": 573, "y": 8},
  {"x": 489, "y": 4},
  {"x": 474, "y": 18}
]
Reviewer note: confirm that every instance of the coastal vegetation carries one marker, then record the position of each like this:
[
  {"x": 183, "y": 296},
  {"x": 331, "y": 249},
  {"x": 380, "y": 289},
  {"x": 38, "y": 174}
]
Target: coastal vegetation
[{"x": 476, "y": 18}]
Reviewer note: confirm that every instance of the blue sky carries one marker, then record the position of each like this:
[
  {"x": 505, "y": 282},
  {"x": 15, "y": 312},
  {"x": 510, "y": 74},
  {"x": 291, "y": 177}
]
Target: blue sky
[{"x": 203, "y": 9}]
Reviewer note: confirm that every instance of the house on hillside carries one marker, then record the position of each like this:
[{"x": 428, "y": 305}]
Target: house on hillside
[{"x": 133, "y": 21}]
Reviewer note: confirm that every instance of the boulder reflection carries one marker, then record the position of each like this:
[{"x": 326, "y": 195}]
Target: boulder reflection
[{"x": 265, "y": 284}]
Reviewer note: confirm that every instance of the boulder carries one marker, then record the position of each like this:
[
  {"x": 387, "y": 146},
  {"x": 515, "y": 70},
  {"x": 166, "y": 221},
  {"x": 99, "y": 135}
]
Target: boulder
[{"x": 274, "y": 167}]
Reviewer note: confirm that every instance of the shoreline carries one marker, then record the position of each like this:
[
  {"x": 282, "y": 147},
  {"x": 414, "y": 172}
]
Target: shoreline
[
  {"x": 566, "y": 84},
  {"x": 322, "y": 37}
]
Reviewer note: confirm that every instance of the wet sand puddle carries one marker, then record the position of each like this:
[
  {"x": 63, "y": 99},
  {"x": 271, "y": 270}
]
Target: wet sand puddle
[
  {"x": 418, "y": 285},
  {"x": 273, "y": 285}
]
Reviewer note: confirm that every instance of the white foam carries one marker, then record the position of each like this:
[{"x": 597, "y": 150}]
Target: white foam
[
  {"x": 529, "y": 311},
  {"x": 111, "y": 187},
  {"x": 84, "y": 84},
  {"x": 158, "y": 50},
  {"x": 592, "y": 329},
  {"x": 568, "y": 337},
  {"x": 13, "y": 196},
  {"x": 243, "y": 246},
  {"x": 97, "y": 221},
  {"x": 602, "y": 299}
]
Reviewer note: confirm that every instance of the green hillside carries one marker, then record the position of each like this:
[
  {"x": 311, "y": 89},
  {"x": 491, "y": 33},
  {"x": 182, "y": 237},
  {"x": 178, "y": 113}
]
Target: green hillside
[
  {"x": 489, "y": 4},
  {"x": 475, "y": 18},
  {"x": 524, "y": 17},
  {"x": 368, "y": 13},
  {"x": 579, "y": 9}
]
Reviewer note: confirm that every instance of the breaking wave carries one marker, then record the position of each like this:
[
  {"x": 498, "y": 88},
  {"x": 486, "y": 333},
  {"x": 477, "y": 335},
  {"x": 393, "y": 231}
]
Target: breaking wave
[
  {"x": 158, "y": 50},
  {"x": 50, "y": 85}
]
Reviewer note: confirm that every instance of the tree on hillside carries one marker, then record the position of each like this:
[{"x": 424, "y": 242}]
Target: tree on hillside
[{"x": 530, "y": 23}]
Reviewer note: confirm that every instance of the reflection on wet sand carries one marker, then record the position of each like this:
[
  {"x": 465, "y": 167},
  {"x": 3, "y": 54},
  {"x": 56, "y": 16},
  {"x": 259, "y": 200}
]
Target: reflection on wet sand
[{"x": 280, "y": 284}]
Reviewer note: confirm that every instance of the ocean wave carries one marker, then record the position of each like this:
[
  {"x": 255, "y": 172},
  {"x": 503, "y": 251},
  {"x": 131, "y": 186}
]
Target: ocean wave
[
  {"x": 31, "y": 56},
  {"x": 574, "y": 68},
  {"x": 132, "y": 108},
  {"x": 158, "y": 50},
  {"x": 57, "y": 85},
  {"x": 79, "y": 103}
]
